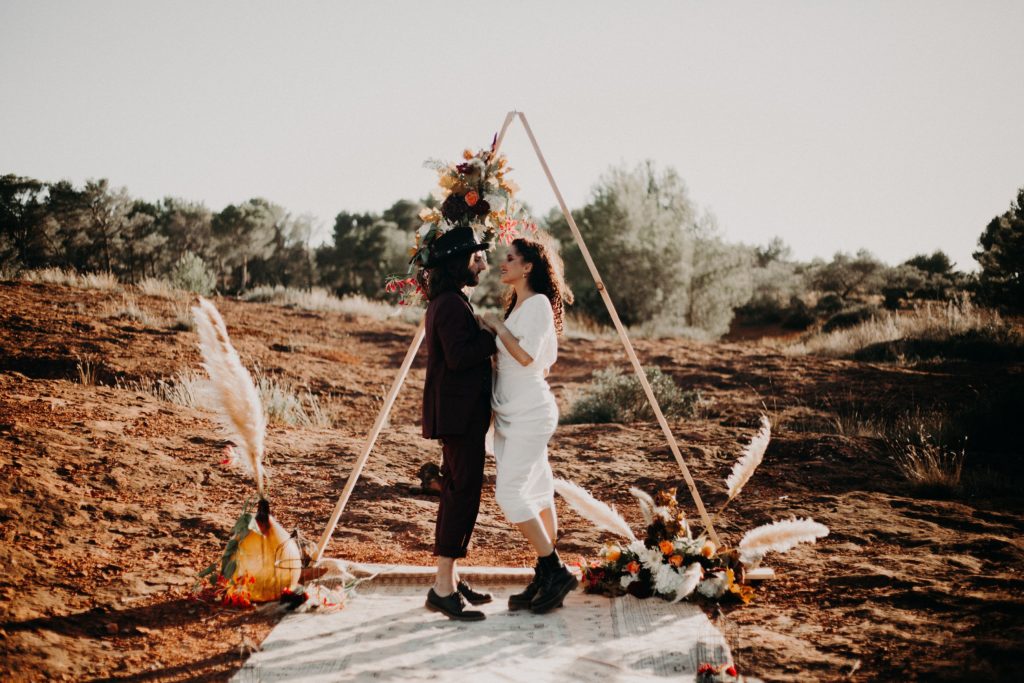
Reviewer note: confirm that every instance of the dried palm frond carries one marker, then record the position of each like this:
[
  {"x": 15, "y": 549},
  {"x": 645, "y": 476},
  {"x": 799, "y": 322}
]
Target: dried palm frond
[
  {"x": 778, "y": 537},
  {"x": 691, "y": 577},
  {"x": 600, "y": 514},
  {"x": 646, "y": 504},
  {"x": 751, "y": 458},
  {"x": 239, "y": 409}
]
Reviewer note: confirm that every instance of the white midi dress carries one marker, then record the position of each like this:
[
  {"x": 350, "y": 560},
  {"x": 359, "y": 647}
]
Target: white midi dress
[{"x": 525, "y": 413}]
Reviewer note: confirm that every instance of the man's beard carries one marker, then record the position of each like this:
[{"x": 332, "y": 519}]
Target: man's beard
[{"x": 472, "y": 279}]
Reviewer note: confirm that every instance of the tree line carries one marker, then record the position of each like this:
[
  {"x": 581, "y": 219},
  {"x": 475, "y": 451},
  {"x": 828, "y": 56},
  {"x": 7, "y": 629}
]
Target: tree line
[{"x": 665, "y": 261}]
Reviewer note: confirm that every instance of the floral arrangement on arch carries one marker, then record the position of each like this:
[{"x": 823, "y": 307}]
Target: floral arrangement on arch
[
  {"x": 475, "y": 193},
  {"x": 670, "y": 561}
]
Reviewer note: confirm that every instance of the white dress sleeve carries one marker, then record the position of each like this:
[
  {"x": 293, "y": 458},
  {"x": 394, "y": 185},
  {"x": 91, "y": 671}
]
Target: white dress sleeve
[{"x": 535, "y": 325}]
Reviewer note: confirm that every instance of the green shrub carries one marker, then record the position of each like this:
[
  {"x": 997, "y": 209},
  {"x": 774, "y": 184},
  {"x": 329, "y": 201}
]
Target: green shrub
[
  {"x": 798, "y": 315},
  {"x": 830, "y": 304},
  {"x": 849, "y": 317},
  {"x": 613, "y": 396},
  {"x": 191, "y": 274},
  {"x": 993, "y": 345}
]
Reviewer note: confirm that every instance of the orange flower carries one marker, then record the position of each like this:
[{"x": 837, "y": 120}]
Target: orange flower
[
  {"x": 676, "y": 560},
  {"x": 467, "y": 154},
  {"x": 666, "y": 547},
  {"x": 633, "y": 567},
  {"x": 472, "y": 198},
  {"x": 613, "y": 555},
  {"x": 708, "y": 550}
]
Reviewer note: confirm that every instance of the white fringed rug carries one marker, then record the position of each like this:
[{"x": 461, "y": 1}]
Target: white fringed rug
[{"x": 385, "y": 634}]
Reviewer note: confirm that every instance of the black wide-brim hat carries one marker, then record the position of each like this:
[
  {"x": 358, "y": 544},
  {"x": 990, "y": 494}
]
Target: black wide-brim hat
[{"x": 460, "y": 240}]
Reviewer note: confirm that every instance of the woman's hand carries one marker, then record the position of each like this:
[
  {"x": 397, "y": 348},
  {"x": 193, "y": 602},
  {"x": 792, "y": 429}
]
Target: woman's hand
[
  {"x": 483, "y": 323},
  {"x": 493, "y": 321}
]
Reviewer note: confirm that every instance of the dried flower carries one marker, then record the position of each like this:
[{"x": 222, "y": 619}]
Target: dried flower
[
  {"x": 454, "y": 208},
  {"x": 472, "y": 197}
]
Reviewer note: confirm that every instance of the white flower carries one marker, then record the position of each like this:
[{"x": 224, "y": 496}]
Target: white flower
[
  {"x": 637, "y": 547},
  {"x": 423, "y": 229},
  {"x": 689, "y": 546},
  {"x": 626, "y": 580},
  {"x": 666, "y": 579},
  {"x": 649, "y": 557},
  {"x": 495, "y": 201},
  {"x": 714, "y": 586}
]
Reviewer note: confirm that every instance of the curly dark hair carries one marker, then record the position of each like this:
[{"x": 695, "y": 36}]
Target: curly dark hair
[
  {"x": 452, "y": 274},
  {"x": 545, "y": 278}
]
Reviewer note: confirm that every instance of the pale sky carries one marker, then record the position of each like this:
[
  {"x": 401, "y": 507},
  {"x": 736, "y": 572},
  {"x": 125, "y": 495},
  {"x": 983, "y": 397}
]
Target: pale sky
[{"x": 892, "y": 126}]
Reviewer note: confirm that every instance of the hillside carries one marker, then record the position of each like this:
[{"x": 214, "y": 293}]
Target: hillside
[{"x": 111, "y": 499}]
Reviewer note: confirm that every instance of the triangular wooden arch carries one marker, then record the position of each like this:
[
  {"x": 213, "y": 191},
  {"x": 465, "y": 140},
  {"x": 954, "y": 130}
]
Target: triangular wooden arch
[{"x": 417, "y": 340}]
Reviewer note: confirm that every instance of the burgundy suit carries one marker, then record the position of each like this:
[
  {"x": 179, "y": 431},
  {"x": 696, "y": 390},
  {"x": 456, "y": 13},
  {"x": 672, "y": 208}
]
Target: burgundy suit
[{"x": 457, "y": 410}]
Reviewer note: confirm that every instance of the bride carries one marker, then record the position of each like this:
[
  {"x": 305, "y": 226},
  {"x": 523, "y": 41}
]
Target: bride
[{"x": 525, "y": 412}]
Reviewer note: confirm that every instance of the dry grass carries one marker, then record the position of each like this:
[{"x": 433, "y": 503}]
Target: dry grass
[
  {"x": 152, "y": 286},
  {"x": 319, "y": 299},
  {"x": 69, "y": 278},
  {"x": 188, "y": 388},
  {"x": 930, "y": 467},
  {"x": 87, "y": 368},
  {"x": 933, "y": 322},
  {"x": 130, "y": 310},
  {"x": 282, "y": 402},
  {"x": 183, "y": 320},
  {"x": 582, "y": 327},
  {"x": 285, "y": 404}
]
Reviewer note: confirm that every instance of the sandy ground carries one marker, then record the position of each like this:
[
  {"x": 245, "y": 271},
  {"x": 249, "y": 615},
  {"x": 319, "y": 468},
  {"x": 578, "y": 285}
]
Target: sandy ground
[{"x": 112, "y": 500}]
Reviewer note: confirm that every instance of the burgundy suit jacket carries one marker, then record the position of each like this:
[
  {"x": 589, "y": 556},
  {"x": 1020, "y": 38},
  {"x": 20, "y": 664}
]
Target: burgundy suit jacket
[{"x": 457, "y": 389}]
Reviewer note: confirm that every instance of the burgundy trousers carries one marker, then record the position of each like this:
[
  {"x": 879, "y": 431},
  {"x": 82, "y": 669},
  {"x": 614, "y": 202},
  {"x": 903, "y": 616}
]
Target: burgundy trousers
[{"x": 462, "y": 478}]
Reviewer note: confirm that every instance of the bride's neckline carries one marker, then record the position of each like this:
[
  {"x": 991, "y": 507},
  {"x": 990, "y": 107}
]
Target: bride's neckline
[{"x": 520, "y": 304}]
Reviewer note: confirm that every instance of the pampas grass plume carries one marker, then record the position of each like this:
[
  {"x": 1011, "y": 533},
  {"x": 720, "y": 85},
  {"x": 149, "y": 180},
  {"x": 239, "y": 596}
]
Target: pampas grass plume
[
  {"x": 646, "y": 504},
  {"x": 239, "y": 409},
  {"x": 691, "y": 577},
  {"x": 751, "y": 458},
  {"x": 778, "y": 537},
  {"x": 600, "y": 514}
]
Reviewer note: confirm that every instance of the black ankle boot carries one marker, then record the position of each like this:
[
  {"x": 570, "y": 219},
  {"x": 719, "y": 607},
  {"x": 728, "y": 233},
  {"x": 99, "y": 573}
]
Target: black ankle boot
[
  {"x": 556, "y": 581},
  {"x": 523, "y": 600}
]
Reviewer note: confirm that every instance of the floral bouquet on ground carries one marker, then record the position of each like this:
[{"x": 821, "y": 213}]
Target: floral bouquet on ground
[
  {"x": 262, "y": 562},
  {"x": 473, "y": 193},
  {"x": 670, "y": 561}
]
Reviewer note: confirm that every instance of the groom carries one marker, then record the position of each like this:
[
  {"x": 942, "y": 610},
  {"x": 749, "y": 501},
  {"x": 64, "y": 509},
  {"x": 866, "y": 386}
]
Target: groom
[{"x": 456, "y": 409}]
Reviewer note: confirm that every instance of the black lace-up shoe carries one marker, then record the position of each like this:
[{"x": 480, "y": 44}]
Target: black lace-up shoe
[
  {"x": 554, "y": 586},
  {"x": 472, "y": 596},
  {"x": 522, "y": 600},
  {"x": 452, "y": 606}
]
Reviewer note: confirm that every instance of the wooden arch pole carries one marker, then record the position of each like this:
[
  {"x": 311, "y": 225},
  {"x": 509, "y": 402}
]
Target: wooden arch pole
[
  {"x": 385, "y": 410},
  {"x": 623, "y": 336}
]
